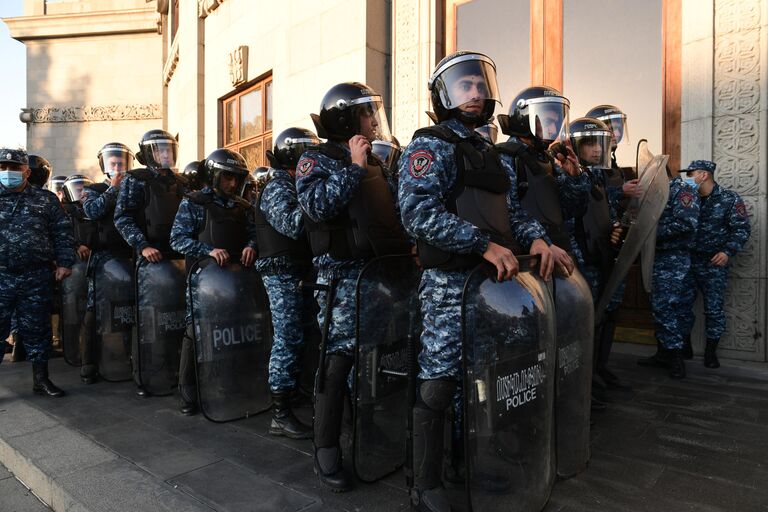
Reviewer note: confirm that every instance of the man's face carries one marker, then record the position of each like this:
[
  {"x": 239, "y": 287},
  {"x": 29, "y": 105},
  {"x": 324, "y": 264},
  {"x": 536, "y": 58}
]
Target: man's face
[
  {"x": 699, "y": 176},
  {"x": 115, "y": 164},
  {"x": 369, "y": 125},
  {"x": 470, "y": 93},
  {"x": 13, "y": 166},
  {"x": 590, "y": 152},
  {"x": 163, "y": 155},
  {"x": 548, "y": 125},
  {"x": 228, "y": 183}
]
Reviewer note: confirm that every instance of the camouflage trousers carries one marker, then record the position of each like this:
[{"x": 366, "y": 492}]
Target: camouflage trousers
[
  {"x": 286, "y": 302},
  {"x": 28, "y": 296},
  {"x": 670, "y": 301},
  {"x": 341, "y": 334},
  {"x": 711, "y": 281}
]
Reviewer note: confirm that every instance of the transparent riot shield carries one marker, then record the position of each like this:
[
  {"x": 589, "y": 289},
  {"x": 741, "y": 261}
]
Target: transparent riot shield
[
  {"x": 574, "y": 311},
  {"x": 648, "y": 251},
  {"x": 642, "y": 217},
  {"x": 160, "y": 312},
  {"x": 74, "y": 297},
  {"x": 233, "y": 340},
  {"x": 509, "y": 367},
  {"x": 387, "y": 318},
  {"x": 115, "y": 298}
]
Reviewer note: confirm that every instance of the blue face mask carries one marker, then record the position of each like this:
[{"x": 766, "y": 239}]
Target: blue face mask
[
  {"x": 11, "y": 179},
  {"x": 691, "y": 182}
]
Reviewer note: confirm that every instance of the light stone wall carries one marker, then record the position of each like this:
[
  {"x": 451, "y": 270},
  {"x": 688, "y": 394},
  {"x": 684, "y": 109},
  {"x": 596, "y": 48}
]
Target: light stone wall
[{"x": 724, "y": 103}]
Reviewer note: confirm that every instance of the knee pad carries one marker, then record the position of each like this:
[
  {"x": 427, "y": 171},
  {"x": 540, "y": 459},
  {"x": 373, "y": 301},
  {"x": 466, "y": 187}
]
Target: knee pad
[{"x": 436, "y": 394}]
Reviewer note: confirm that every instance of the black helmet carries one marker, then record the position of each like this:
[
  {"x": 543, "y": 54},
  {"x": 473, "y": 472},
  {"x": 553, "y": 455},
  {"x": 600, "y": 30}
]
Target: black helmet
[
  {"x": 341, "y": 110},
  {"x": 115, "y": 157},
  {"x": 539, "y": 113},
  {"x": 40, "y": 170},
  {"x": 56, "y": 183},
  {"x": 614, "y": 118},
  {"x": 591, "y": 141},
  {"x": 289, "y": 146},
  {"x": 389, "y": 152},
  {"x": 449, "y": 92},
  {"x": 225, "y": 161},
  {"x": 196, "y": 176},
  {"x": 158, "y": 150},
  {"x": 74, "y": 185}
]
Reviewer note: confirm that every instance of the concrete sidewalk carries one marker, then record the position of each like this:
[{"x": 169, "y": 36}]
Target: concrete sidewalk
[{"x": 700, "y": 444}]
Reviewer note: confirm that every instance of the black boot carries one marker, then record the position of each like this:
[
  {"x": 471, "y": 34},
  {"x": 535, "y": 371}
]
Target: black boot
[
  {"x": 660, "y": 359},
  {"x": 606, "y": 333},
  {"x": 89, "y": 369},
  {"x": 19, "y": 352},
  {"x": 676, "y": 364},
  {"x": 710, "y": 354},
  {"x": 187, "y": 377},
  {"x": 428, "y": 493},
  {"x": 41, "y": 384},
  {"x": 284, "y": 423},
  {"x": 687, "y": 348},
  {"x": 329, "y": 412}
]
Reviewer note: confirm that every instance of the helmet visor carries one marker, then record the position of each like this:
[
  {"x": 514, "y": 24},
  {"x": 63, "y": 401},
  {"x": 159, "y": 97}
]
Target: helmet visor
[
  {"x": 56, "y": 184},
  {"x": 160, "y": 153},
  {"x": 467, "y": 83},
  {"x": 618, "y": 125},
  {"x": 115, "y": 160},
  {"x": 230, "y": 183},
  {"x": 548, "y": 118},
  {"x": 73, "y": 188},
  {"x": 593, "y": 148},
  {"x": 488, "y": 131},
  {"x": 388, "y": 152},
  {"x": 371, "y": 119}
]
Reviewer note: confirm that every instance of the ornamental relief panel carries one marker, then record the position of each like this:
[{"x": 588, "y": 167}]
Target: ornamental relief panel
[
  {"x": 748, "y": 263},
  {"x": 736, "y": 15},
  {"x": 736, "y": 151},
  {"x": 95, "y": 113},
  {"x": 743, "y": 304},
  {"x": 737, "y": 73}
]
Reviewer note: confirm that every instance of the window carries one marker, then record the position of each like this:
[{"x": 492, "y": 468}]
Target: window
[{"x": 248, "y": 122}]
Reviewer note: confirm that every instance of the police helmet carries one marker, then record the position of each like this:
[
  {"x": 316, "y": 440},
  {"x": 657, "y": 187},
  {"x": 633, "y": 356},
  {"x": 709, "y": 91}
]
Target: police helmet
[
  {"x": 115, "y": 157},
  {"x": 591, "y": 141},
  {"x": 539, "y": 113},
  {"x": 343, "y": 108},
  {"x": 388, "y": 151},
  {"x": 451, "y": 87},
  {"x": 614, "y": 118},
  {"x": 56, "y": 183},
  {"x": 40, "y": 170},
  {"x": 74, "y": 185},
  {"x": 158, "y": 149},
  {"x": 289, "y": 146},
  {"x": 196, "y": 176},
  {"x": 225, "y": 161}
]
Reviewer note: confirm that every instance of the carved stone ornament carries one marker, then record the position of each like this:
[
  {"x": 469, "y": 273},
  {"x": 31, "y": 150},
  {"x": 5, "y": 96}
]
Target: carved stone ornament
[
  {"x": 238, "y": 65},
  {"x": 95, "y": 113},
  {"x": 173, "y": 60},
  {"x": 206, "y": 7}
]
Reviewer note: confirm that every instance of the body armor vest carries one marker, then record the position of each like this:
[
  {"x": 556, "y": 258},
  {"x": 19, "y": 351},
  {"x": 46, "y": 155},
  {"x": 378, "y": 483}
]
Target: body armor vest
[
  {"x": 272, "y": 243},
  {"x": 85, "y": 230},
  {"x": 538, "y": 191},
  {"x": 225, "y": 228},
  {"x": 108, "y": 238},
  {"x": 479, "y": 197},
  {"x": 369, "y": 225},
  {"x": 162, "y": 195},
  {"x": 593, "y": 229},
  {"x": 616, "y": 177}
]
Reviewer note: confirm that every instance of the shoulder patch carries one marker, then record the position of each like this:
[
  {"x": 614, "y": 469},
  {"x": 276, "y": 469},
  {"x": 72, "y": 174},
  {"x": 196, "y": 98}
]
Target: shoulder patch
[
  {"x": 305, "y": 166},
  {"x": 419, "y": 162},
  {"x": 686, "y": 198},
  {"x": 741, "y": 209}
]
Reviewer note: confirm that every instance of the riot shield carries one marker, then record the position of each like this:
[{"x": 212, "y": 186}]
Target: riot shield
[
  {"x": 74, "y": 297},
  {"x": 387, "y": 318},
  {"x": 115, "y": 295},
  {"x": 160, "y": 311},
  {"x": 574, "y": 312},
  {"x": 508, "y": 331},
  {"x": 648, "y": 252},
  {"x": 233, "y": 340},
  {"x": 642, "y": 217}
]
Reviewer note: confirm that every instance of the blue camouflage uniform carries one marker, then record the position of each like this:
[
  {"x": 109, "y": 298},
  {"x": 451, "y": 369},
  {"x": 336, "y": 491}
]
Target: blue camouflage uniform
[
  {"x": 423, "y": 191},
  {"x": 723, "y": 227},
  {"x": 324, "y": 187},
  {"x": 130, "y": 198},
  {"x": 282, "y": 276},
  {"x": 35, "y": 233},
  {"x": 98, "y": 206},
  {"x": 675, "y": 235}
]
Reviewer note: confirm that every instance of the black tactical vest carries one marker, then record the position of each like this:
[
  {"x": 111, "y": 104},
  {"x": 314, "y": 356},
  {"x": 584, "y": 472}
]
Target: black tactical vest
[
  {"x": 369, "y": 225},
  {"x": 479, "y": 197},
  {"x": 616, "y": 177},
  {"x": 85, "y": 229},
  {"x": 593, "y": 229},
  {"x": 108, "y": 238},
  {"x": 162, "y": 195},
  {"x": 272, "y": 243},
  {"x": 538, "y": 191},
  {"x": 225, "y": 228}
]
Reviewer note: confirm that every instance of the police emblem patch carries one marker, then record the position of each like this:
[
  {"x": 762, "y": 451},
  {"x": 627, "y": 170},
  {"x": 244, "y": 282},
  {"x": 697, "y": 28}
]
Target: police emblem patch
[
  {"x": 741, "y": 209},
  {"x": 305, "y": 166},
  {"x": 420, "y": 162},
  {"x": 686, "y": 199}
]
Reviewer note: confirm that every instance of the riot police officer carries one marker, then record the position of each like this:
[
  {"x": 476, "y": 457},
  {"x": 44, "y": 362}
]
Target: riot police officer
[
  {"x": 722, "y": 232},
  {"x": 338, "y": 184},
  {"x": 115, "y": 159},
  {"x": 215, "y": 222},
  {"x": 74, "y": 191},
  {"x": 464, "y": 95},
  {"x": 40, "y": 170},
  {"x": 35, "y": 237},
  {"x": 284, "y": 260},
  {"x": 193, "y": 175}
]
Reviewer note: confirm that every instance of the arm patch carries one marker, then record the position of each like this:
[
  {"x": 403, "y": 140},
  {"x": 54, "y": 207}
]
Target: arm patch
[
  {"x": 305, "y": 166},
  {"x": 419, "y": 162},
  {"x": 686, "y": 199}
]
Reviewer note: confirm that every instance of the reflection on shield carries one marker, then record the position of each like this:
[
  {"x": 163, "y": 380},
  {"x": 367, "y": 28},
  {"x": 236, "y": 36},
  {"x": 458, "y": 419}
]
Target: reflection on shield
[
  {"x": 233, "y": 340},
  {"x": 642, "y": 216},
  {"x": 509, "y": 356},
  {"x": 115, "y": 296},
  {"x": 574, "y": 312},
  {"x": 387, "y": 320},
  {"x": 160, "y": 315},
  {"x": 74, "y": 297}
]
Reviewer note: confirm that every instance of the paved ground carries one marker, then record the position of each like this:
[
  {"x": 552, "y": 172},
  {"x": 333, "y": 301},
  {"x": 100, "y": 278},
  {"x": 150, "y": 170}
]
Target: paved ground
[
  {"x": 695, "y": 445},
  {"x": 14, "y": 497}
]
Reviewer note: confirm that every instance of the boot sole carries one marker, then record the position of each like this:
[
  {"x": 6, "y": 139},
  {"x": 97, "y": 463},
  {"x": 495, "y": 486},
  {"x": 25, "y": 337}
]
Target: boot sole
[
  {"x": 282, "y": 433},
  {"x": 335, "y": 490},
  {"x": 43, "y": 393}
]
